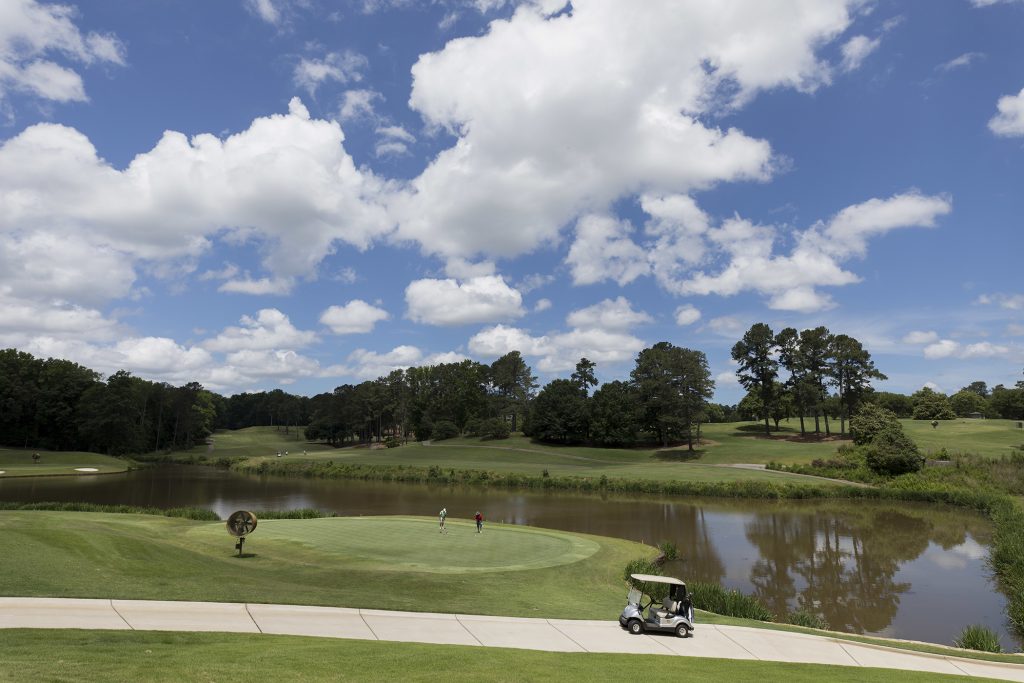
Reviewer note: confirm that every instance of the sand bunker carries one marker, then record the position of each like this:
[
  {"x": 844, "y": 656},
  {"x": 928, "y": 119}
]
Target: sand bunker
[{"x": 86, "y": 469}]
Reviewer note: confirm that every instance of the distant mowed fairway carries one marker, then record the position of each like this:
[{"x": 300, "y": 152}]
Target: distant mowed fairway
[
  {"x": 983, "y": 437},
  {"x": 722, "y": 444},
  {"x": 17, "y": 462}
]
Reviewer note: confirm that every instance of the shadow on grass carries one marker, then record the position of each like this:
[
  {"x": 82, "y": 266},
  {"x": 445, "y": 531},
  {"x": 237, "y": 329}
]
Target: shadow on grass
[
  {"x": 678, "y": 455},
  {"x": 790, "y": 434}
]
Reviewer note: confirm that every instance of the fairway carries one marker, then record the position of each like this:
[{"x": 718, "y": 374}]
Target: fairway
[
  {"x": 17, "y": 462},
  {"x": 981, "y": 437},
  {"x": 415, "y": 544}
]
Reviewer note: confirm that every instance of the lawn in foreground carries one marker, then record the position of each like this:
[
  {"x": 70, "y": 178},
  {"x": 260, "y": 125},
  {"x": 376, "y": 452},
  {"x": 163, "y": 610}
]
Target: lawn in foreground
[
  {"x": 17, "y": 462},
  {"x": 114, "y": 656},
  {"x": 397, "y": 563}
]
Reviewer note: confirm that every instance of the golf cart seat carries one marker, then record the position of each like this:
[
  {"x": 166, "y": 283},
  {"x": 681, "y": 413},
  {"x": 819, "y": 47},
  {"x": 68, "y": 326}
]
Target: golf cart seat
[{"x": 669, "y": 607}]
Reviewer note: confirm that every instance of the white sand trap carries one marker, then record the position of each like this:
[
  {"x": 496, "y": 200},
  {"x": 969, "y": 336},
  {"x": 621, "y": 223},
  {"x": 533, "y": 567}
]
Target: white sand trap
[
  {"x": 86, "y": 469},
  {"x": 3, "y": 472}
]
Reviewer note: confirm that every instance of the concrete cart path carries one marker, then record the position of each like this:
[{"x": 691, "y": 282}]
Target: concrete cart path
[{"x": 558, "y": 635}]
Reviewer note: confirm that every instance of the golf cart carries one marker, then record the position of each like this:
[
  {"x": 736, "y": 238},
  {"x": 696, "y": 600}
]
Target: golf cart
[{"x": 674, "y": 614}]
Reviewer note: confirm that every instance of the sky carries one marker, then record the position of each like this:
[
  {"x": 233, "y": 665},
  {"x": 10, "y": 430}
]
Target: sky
[{"x": 256, "y": 194}]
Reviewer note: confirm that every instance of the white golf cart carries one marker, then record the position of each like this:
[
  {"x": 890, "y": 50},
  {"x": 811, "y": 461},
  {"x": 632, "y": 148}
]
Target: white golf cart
[{"x": 674, "y": 614}]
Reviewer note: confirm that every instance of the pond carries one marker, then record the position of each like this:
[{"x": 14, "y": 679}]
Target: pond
[{"x": 894, "y": 569}]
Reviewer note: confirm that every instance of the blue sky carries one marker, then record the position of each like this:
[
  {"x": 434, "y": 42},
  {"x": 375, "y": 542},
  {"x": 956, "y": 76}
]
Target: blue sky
[{"x": 302, "y": 193}]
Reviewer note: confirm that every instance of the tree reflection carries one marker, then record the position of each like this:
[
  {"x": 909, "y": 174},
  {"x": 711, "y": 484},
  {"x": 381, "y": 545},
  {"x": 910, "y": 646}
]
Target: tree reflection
[{"x": 845, "y": 561}]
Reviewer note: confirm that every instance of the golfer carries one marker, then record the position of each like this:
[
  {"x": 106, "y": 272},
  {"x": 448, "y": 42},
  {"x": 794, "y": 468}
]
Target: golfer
[
  {"x": 441, "y": 516},
  {"x": 479, "y": 522}
]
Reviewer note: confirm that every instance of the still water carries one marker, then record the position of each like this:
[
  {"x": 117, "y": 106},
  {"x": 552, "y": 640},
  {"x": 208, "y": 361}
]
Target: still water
[{"x": 893, "y": 569}]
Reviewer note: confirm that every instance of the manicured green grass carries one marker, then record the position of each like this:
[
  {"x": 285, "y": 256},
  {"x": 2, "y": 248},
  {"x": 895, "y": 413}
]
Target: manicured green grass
[
  {"x": 17, "y": 462},
  {"x": 115, "y": 656},
  {"x": 383, "y": 563},
  {"x": 722, "y": 445},
  {"x": 520, "y": 455},
  {"x": 257, "y": 442},
  {"x": 416, "y": 544},
  {"x": 399, "y": 563},
  {"x": 982, "y": 437}
]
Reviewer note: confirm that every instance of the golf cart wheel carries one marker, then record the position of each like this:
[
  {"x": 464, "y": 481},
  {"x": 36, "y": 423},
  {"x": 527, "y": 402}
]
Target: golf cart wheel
[
  {"x": 635, "y": 627},
  {"x": 682, "y": 630}
]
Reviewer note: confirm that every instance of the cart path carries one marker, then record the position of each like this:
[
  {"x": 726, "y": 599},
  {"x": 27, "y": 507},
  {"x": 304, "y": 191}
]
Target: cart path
[{"x": 553, "y": 635}]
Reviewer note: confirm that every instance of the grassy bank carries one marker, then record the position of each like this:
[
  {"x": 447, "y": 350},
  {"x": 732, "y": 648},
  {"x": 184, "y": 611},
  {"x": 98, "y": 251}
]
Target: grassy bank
[
  {"x": 113, "y": 656},
  {"x": 18, "y": 462},
  {"x": 383, "y": 563}
]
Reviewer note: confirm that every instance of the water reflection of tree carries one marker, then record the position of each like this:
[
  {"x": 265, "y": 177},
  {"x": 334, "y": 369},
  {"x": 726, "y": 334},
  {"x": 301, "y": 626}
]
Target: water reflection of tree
[
  {"x": 698, "y": 558},
  {"x": 847, "y": 560}
]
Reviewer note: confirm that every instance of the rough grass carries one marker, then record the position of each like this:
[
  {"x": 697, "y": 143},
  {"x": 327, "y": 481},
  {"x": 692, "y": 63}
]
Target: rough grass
[
  {"x": 17, "y": 462},
  {"x": 115, "y": 656},
  {"x": 513, "y": 571}
]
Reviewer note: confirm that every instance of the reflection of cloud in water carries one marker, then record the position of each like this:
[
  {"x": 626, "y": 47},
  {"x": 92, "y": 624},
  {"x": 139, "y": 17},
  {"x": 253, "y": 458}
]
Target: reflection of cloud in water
[{"x": 958, "y": 557}]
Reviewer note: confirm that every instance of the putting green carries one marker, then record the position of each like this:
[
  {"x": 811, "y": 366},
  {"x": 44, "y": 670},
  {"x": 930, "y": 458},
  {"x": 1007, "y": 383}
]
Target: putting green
[{"x": 415, "y": 544}]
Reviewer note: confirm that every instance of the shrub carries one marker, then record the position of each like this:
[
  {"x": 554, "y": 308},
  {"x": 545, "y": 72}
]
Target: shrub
[
  {"x": 444, "y": 429},
  {"x": 300, "y": 513},
  {"x": 494, "y": 428},
  {"x": 871, "y": 420},
  {"x": 392, "y": 442},
  {"x": 802, "y": 617},
  {"x": 711, "y": 597},
  {"x": 893, "y": 452},
  {"x": 424, "y": 431},
  {"x": 669, "y": 550},
  {"x": 976, "y": 637},
  {"x": 473, "y": 426}
]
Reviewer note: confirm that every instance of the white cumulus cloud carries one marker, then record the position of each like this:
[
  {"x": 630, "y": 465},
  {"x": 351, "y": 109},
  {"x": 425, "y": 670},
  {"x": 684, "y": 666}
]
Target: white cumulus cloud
[
  {"x": 600, "y": 332},
  {"x": 341, "y": 67},
  {"x": 556, "y": 117},
  {"x": 920, "y": 337},
  {"x": 610, "y": 314},
  {"x": 355, "y": 317},
  {"x": 1009, "y": 122},
  {"x": 856, "y": 50},
  {"x": 943, "y": 348},
  {"x": 687, "y": 315},
  {"x": 450, "y": 302},
  {"x": 286, "y": 183},
  {"x": 270, "y": 329},
  {"x": 33, "y": 34}
]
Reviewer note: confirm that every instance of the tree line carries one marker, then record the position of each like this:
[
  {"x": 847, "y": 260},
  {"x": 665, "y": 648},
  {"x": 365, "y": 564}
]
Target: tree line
[
  {"x": 809, "y": 374},
  {"x": 60, "y": 405}
]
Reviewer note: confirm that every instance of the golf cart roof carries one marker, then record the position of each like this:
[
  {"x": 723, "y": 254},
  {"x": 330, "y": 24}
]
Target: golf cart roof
[{"x": 656, "y": 579}]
